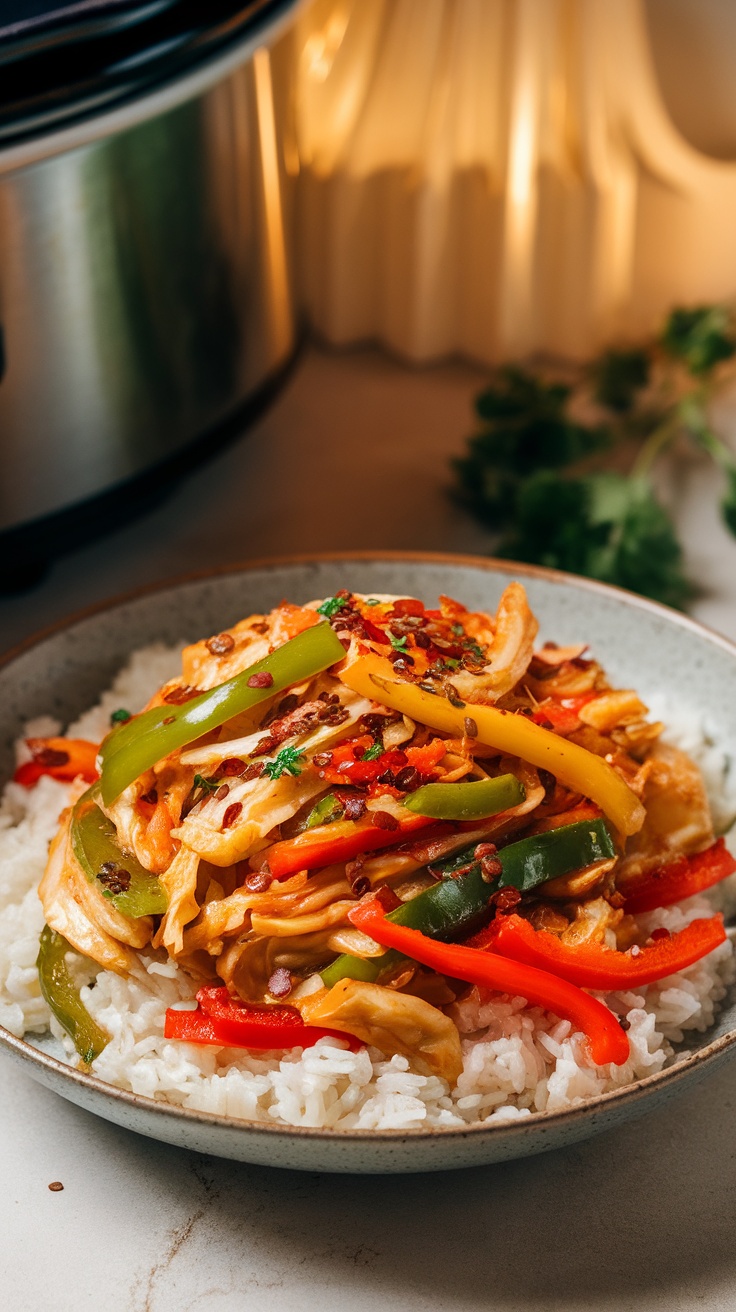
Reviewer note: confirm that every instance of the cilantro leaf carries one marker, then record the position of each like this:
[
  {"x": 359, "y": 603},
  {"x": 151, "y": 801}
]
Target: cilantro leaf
[
  {"x": 121, "y": 716},
  {"x": 287, "y": 762},
  {"x": 331, "y": 606},
  {"x": 527, "y": 428},
  {"x": 398, "y": 644},
  {"x": 209, "y": 785},
  {"x": 603, "y": 526},
  {"x": 373, "y": 753},
  {"x": 700, "y": 337},
  {"x": 617, "y": 376}
]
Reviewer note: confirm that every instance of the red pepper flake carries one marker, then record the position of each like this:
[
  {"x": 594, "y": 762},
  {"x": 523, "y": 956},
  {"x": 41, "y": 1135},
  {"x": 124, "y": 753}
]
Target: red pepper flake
[
  {"x": 221, "y": 792},
  {"x": 221, "y": 644},
  {"x": 484, "y": 849},
  {"x": 56, "y": 1186},
  {"x": 50, "y": 757},
  {"x": 408, "y": 779},
  {"x": 387, "y": 898},
  {"x": 169, "y": 719},
  {"x": 321, "y": 759},
  {"x": 470, "y": 726},
  {"x": 353, "y": 805},
  {"x": 113, "y": 877},
  {"x": 262, "y": 679},
  {"x": 505, "y": 900},
  {"x": 231, "y": 815},
  {"x": 232, "y": 765},
  {"x": 182, "y": 693},
  {"x": 490, "y": 869},
  {"x": 384, "y": 820},
  {"x": 259, "y": 881},
  {"x": 253, "y": 771},
  {"x": 624, "y": 1023},
  {"x": 280, "y": 984},
  {"x": 660, "y": 933}
]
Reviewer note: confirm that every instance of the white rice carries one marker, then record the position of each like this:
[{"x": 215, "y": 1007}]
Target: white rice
[{"x": 517, "y": 1059}]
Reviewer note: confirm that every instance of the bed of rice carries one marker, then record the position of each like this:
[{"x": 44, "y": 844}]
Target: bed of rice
[{"x": 517, "y": 1059}]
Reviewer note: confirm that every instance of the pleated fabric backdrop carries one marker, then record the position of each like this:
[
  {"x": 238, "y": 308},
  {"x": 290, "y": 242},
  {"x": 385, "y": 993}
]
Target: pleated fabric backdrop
[{"x": 497, "y": 178}]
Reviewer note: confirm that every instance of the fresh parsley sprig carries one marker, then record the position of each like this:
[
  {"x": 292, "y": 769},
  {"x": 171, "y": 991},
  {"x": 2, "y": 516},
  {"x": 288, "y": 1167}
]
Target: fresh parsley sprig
[
  {"x": 287, "y": 762},
  {"x": 534, "y": 471}
]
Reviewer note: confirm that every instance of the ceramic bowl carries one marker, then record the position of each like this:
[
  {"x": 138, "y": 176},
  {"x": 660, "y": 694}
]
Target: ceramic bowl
[{"x": 644, "y": 645}]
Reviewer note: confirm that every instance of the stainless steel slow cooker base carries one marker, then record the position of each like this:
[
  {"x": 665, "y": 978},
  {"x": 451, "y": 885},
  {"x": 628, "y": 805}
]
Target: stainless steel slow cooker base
[
  {"x": 145, "y": 289},
  {"x": 29, "y": 550}
]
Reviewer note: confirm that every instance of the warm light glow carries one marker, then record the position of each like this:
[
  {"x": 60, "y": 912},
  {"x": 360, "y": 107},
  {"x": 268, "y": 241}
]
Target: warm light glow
[
  {"x": 272, "y": 188},
  {"x": 322, "y": 46}
]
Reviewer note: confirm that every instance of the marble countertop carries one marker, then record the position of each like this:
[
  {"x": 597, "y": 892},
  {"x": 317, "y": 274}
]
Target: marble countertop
[{"x": 640, "y": 1218}]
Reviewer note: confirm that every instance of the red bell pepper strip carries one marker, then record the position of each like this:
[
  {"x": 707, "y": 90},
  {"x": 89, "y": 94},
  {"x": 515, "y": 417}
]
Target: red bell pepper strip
[
  {"x": 562, "y": 717},
  {"x": 340, "y": 841},
  {"x": 606, "y": 1039},
  {"x": 62, "y": 758},
  {"x": 680, "y": 878},
  {"x": 223, "y": 1020},
  {"x": 593, "y": 966}
]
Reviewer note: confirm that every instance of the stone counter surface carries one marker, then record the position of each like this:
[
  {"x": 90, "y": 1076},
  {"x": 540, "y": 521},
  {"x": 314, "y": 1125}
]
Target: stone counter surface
[{"x": 641, "y": 1219}]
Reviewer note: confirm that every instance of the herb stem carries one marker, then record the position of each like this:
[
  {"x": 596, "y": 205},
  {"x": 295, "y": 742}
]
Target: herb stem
[{"x": 656, "y": 444}]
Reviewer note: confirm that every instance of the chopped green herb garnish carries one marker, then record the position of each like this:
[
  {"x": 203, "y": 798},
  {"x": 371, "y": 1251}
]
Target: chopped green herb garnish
[
  {"x": 458, "y": 630},
  {"x": 121, "y": 716},
  {"x": 373, "y": 753},
  {"x": 331, "y": 606},
  {"x": 372, "y": 601},
  {"x": 450, "y": 663},
  {"x": 287, "y": 762},
  {"x": 522, "y": 474},
  {"x": 209, "y": 785},
  {"x": 398, "y": 644}
]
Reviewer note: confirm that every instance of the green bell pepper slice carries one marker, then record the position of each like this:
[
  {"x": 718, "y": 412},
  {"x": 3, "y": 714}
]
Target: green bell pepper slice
[
  {"x": 327, "y": 809},
  {"x": 135, "y": 746},
  {"x": 63, "y": 998},
  {"x": 453, "y": 907},
  {"x": 467, "y": 801},
  {"x": 121, "y": 878}
]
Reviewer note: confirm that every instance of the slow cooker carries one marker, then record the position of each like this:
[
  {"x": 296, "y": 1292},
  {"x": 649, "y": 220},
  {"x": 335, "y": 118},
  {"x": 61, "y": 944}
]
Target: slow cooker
[{"x": 146, "y": 307}]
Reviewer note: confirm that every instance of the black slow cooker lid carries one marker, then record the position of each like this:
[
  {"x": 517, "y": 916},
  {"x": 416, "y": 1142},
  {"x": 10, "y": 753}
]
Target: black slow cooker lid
[{"x": 62, "y": 62}]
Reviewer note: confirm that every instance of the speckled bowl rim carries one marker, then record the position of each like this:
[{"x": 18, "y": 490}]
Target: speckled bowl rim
[{"x": 615, "y": 1098}]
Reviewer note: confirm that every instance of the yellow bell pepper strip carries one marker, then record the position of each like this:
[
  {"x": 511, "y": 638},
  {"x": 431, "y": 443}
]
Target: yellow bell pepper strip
[
  {"x": 451, "y": 908},
  {"x": 606, "y": 1039},
  {"x": 683, "y": 877},
  {"x": 135, "y": 746},
  {"x": 62, "y": 996},
  {"x": 574, "y": 766},
  {"x": 220, "y": 1019},
  {"x": 61, "y": 758},
  {"x": 131, "y": 888},
  {"x": 593, "y": 966},
  {"x": 467, "y": 801}
]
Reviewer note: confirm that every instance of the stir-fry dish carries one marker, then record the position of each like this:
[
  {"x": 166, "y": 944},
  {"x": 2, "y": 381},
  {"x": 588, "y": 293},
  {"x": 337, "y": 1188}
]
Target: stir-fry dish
[{"x": 345, "y": 817}]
